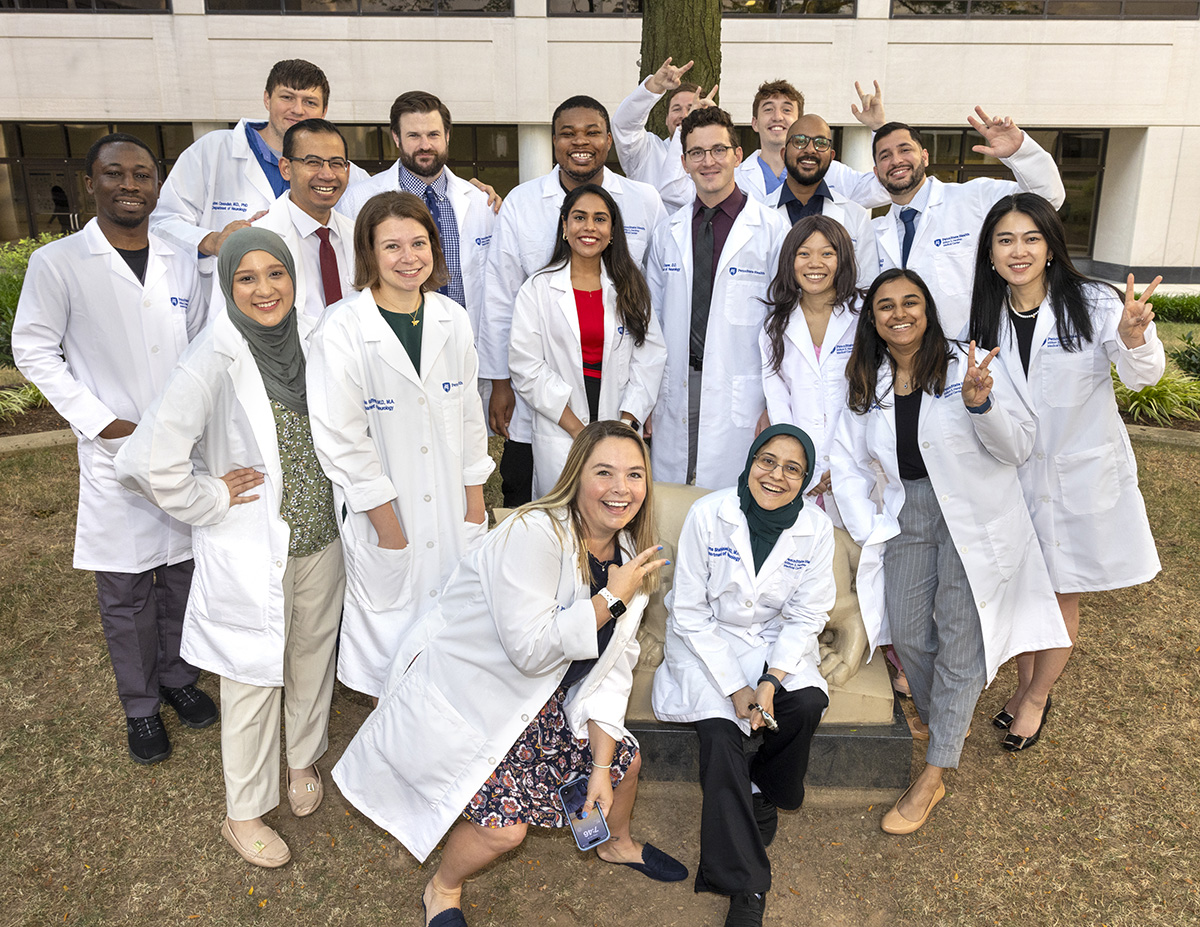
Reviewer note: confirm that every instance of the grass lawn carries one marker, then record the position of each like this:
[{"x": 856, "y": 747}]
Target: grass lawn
[{"x": 1095, "y": 825}]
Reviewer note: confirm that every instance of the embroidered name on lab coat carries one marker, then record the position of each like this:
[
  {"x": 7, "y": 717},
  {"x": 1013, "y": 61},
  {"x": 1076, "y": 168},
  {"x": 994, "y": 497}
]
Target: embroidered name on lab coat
[
  {"x": 447, "y": 386},
  {"x": 752, "y": 271},
  {"x": 671, "y": 267},
  {"x": 949, "y": 241},
  {"x": 725, "y": 552},
  {"x": 379, "y": 405},
  {"x": 793, "y": 564},
  {"x": 483, "y": 240},
  {"x": 231, "y": 206},
  {"x": 952, "y": 390},
  {"x": 180, "y": 301},
  {"x": 843, "y": 348}
]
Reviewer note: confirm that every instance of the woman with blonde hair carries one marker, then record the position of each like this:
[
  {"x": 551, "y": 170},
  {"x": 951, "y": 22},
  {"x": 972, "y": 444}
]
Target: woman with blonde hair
[{"x": 516, "y": 683}]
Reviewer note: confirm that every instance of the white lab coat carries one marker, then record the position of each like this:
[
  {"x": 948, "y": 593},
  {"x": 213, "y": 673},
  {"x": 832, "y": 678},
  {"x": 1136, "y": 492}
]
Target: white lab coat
[
  {"x": 384, "y": 433},
  {"x": 732, "y": 392},
  {"x": 214, "y": 416},
  {"x": 216, "y": 180},
  {"x": 972, "y": 463},
  {"x": 648, "y": 158},
  {"x": 546, "y": 361},
  {"x": 472, "y": 214},
  {"x": 101, "y": 345},
  {"x": 808, "y": 392},
  {"x": 500, "y": 640},
  {"x": 522, "y": 243},
  {"x": 857, "y": 223},
  {"x": 1080, "y": 481},
  {"x": 725, "y": 622},
  {"x": 947, "y": 232},
  {"x": 749, "y": 176}
]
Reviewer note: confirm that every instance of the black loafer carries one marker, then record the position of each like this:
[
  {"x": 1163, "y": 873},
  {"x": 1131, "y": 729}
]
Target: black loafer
[
  {"x": 746, "y": 910},
  {"x": 148, "y": 742},
  {"x": 658, "y": 865},
  {"x": 195, "y": 709},
  {"x": 1002, "y": 719},
  {"x": 1014, "y": 743},
  {"x": 766, "y": 815}
]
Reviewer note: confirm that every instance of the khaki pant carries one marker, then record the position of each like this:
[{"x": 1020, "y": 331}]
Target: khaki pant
[{"x": 312, "y": 605}]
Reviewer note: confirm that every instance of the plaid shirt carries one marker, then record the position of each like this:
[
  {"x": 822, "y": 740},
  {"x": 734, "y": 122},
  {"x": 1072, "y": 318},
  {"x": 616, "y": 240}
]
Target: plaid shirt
[{"x": 447, "y": 227}]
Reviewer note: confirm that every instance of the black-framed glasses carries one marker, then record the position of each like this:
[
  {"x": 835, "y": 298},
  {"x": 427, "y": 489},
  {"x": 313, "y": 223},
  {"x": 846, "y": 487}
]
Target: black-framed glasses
[
  {"x": 718, "y": 152},
  {"x": 313, "y": 163},
  {"x": 767, "y": 464},
  {"x": 819, "y": 142}
]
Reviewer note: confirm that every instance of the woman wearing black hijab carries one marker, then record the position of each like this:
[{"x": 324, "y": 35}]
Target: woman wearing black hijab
[
  {"x": 267, "y": 591},
  {"x": 752, "y": 590}
]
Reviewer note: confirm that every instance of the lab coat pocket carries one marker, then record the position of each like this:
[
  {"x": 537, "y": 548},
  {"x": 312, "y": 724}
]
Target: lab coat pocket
[
  {"x": 473, "y": 534},
  {"x": 450, "y": 408},
  {"x": 380, "y": 578},
  {"x": 747, "y": 400},
  {"x": 1088, "y": 481},
  {"x": 743, "y": 303},
  {"x": 1008, "y": 535},
  {"x": 234, "y": 569},
  {"x": 1067, "y": 379},
  {"x": 104, "y": 451},
  {"x": 420, "y": 723}
]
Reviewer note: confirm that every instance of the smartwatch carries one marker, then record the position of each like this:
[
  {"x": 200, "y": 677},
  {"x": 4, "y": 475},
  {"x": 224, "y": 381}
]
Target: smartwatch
[{"x": 616, "y": 607}]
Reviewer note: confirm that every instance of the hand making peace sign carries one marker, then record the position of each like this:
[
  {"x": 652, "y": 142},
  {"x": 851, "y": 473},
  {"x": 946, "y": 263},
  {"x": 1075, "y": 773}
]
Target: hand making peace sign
[
  {"x": 1137, "y": 315},
  {"x": 977, "y": 384}
]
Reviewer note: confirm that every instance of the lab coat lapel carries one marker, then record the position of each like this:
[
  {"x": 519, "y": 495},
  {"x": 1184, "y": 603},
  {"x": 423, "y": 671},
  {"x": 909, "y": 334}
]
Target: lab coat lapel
[
  {"x": 98, "y": 244},
  {"x": 681, "y": 232},
  {"x": 883, "y": 385},
  {"x": 375, "y": 329},
  {"x": 926, "y": 222},
  {"x": 1045, "y": 326},
  {"x": 840, "y": 322},
  {"x": 250, "y": 166},
  {"x": 739, "y": 235},
  {"x": 564, "y": 299},
  {"x": 156, "y": 266},
  {"x": 437, "y": 332},
  {"x": 783, "y": 549},
  {"x": 798, "y": 334},
  {"x": 887, "y": 237},
  {"x": 610, "y": 397},
  {"x": 252, "y": 395},
  {"x": 738, "y": 533}
]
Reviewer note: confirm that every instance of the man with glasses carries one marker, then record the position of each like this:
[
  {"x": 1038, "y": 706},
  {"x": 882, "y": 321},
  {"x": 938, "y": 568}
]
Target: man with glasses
[
  {"x": 320, "y": 239},
  {"x": 808, "y": 155},
  {"x": 228, "y": 178},
  {"x": 708, "y": 270}
]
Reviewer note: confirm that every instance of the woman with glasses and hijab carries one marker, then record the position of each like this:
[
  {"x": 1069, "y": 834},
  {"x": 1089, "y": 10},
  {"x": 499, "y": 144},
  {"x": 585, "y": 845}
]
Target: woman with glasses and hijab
[
  {"x": 267, "y": 592},
  {"x": 752, "y": 590}
]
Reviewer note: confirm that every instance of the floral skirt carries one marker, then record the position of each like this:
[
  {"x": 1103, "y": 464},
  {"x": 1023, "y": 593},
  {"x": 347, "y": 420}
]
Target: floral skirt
[{"x": 523, "y": 789}]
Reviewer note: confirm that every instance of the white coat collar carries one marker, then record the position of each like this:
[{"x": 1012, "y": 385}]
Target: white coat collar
[
  {"x": 156, "y": 265},
  {"x": 891, "y": 235},
  {"x": 798, "y": 334},
  {"x": 738, "y": 531},
  {"x": 437, "y": 323},
  {"x": 254, "y": 173}
]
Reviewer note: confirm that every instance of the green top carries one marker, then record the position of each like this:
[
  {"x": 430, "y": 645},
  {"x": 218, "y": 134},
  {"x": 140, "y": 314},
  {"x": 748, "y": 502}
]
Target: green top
[
  {"x": 408, "y": 330},
  {"x": 307, "y": 503}
]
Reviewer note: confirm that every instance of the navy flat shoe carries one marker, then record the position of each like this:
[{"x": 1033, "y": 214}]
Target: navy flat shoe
[
  {"x": 655, "y": 865},
  {"x": 451, "y": 917}
]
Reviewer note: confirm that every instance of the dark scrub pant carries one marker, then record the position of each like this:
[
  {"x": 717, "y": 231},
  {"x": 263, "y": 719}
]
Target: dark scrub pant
[
  {"x": 733, "y": 859},
  {"x": 142, "y": 617},
  {"x": 516, "y": 473}
]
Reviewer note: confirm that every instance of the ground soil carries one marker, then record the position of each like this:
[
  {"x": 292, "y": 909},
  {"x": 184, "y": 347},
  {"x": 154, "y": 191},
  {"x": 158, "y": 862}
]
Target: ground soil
[{"x": 32, "y": 422}]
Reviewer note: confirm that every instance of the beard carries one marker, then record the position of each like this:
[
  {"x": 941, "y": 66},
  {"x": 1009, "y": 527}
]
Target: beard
[
  {"x": 915, "y": 179},
  {"x": 582, "y": 175},
  {"x": 411, "y": 164},
  {"x": 807, "y": 180},
  {"x": 126, "y": 221}
]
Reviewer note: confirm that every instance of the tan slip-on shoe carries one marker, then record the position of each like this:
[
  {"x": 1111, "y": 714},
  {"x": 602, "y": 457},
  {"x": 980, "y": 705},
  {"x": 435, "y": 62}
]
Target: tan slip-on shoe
[
  {"x": 265, "y": 849},
  {"x": 895, "y": 823},
  {"x": 305, "y": 794}
]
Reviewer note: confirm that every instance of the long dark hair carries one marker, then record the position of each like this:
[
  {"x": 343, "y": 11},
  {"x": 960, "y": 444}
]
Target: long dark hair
[
  {"x": 633, "y": 296},
  {"x": 1064, "y": 284},
  {"x": 929, "y": 365},
  {"x": 784, "y": 293}
]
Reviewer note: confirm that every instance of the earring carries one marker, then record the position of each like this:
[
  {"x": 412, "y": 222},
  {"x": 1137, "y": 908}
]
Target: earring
[{"x": 1049, "y": 260}]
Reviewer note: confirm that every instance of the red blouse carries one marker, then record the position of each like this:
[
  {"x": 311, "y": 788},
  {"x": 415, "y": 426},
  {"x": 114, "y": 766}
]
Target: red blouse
[{"x": 590, "y": 306}]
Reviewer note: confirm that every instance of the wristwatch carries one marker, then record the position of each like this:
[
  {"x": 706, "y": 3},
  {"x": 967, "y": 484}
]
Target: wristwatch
[{"x": 616, "y": 607}]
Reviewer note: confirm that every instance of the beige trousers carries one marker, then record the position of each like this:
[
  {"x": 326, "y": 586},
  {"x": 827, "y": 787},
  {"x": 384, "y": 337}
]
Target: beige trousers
[{"x": 312, "y": 606}]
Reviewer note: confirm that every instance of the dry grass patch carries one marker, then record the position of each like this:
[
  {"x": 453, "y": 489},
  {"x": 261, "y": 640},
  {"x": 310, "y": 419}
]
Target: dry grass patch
[{"x": 1096, "y": 825}]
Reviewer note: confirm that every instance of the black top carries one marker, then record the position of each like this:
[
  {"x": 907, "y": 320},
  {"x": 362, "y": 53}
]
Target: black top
[
  {"x": 580, "y": 668},
  {"x": 407, "y": 329},
  {"x": 908, "y": 449},
  {"x": 136, "y": 260},
  {"x": 1024, "y": 329}
]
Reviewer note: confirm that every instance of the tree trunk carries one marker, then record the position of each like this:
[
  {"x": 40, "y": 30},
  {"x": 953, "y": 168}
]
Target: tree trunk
[{"x": 685, "y": 30}]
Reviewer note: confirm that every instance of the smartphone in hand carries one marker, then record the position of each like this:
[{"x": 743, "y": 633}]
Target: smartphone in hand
[{"x": 591, "y": 831}]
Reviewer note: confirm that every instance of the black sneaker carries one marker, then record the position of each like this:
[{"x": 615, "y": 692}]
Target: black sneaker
[
  {"x": 746, "y": 910},
  {"x": 766, "y": 815},
  {"x": 195, "y": 709},
  {"x": 148, "y": 741}
]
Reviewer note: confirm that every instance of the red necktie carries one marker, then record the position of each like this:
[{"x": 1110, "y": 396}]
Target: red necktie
[{"x": 330, "y": 278}]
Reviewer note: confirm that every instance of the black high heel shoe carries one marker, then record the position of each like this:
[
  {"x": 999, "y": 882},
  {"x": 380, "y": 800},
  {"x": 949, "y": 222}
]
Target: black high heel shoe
[
  {"x": 1002, "y": 719},
  {"x": 1015, "y": 742}
]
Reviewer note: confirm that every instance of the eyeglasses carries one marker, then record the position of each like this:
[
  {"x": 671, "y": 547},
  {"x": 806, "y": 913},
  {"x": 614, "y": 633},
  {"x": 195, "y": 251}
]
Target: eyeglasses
[
  {"x": 768, "y": 464},
  {"x": 819, "y": 142},
  {"x": 718, "y": 152},
  {"x": 313, "y": 163}
]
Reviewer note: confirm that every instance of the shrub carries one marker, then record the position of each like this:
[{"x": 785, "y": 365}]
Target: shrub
[
  {"x": 1172, "y": 397},
  {"x": 1188, "y": 356},
  {"x": 14, "y": 259},
  {"x": 13, "y": 402},
  {"x": 1176, "y": 307}
]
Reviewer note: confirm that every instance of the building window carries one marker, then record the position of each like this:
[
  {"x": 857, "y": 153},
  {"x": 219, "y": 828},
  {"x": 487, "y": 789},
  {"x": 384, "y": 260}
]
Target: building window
[
  {"x": 1079, "y": 153},
  {"x": 728, "y": 7},
  {"x": 364, "y": 7},
  {"x": 87, "y": 6},
  {"x": 1051, "y": 9},
  {"x": 41, "y": 170}
]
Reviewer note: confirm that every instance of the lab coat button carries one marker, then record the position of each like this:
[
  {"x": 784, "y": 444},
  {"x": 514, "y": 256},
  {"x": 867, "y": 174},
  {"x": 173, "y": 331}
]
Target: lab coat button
[
  {"x": 492, "y": 760},
  {"x": 524, "y": 717},
  {"x": 154, "y": 350},
  {"x": 749, "y": 604},
  {"x": 1041, "y": 456},
  {"x": 945, "y": 498},
  {"x": 421, "y": 401},
  {"x": 963, "y": 548},
  {"x": 924, "y": 444},
  {"x": 146, "y": 303},
  {"x": 1046, "y": 499},
  {"x": 826, "y": 457},
  {"x": 278, "y": 563},
  {"x": 428, "y": 497},
  {"x": 424, "y": 450},
  {"x": 429, "y": 543},
  {"x": 983, "y": 604},
  {"x": 432, "y": 592}
]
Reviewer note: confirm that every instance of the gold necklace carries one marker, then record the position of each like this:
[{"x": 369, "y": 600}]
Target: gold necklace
[{"x": 415, "y": 313}]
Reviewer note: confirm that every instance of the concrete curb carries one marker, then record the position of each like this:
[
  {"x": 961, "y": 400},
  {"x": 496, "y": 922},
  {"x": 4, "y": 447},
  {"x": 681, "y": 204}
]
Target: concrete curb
[
  {"x": 15, "y": 444},
  {"x": 1164, "y": 436}
]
